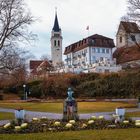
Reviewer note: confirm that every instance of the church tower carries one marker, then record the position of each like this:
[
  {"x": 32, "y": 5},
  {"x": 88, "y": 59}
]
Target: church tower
[{"x": 56, "y": 43}]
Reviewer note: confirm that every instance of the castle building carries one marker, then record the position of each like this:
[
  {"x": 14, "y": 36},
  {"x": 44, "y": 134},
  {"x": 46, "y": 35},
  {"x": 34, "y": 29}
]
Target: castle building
[
  {"x": 93, "y": 53},
  {"x": 128, "y": 34},
  {"x": 56, "y": 43}
]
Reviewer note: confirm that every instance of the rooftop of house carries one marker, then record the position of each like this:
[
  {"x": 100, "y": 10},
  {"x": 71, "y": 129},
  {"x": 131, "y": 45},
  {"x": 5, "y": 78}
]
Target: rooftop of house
[
  {"x": 129, "y": 27},
  {"x": 127, "y": 54},
  {"x": 34, "y": 64},
  {"x": 91, "y": 41}
]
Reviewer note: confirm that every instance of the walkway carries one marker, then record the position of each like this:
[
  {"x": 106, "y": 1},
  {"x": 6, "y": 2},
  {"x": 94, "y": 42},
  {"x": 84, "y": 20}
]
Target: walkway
[{"x": 31, "y": 114}]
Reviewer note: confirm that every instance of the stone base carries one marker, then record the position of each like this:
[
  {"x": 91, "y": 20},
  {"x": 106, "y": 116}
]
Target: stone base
[{"x": 70, "y": 110}]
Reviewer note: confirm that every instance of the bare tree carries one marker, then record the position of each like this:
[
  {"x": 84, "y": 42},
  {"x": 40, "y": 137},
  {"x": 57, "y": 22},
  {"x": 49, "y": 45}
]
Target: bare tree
[
  {"x": 133, "y": 13},
  {"x": 14, "y": 22},
  {"x": 46, "y": 57},
  {"x": 13, "y": 63}
]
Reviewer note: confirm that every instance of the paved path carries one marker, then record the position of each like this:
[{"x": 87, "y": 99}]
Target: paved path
[{"x": 31, "y": 114}]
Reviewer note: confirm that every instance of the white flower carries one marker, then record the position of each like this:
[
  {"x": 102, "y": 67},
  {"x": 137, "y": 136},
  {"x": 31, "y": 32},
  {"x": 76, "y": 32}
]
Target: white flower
[
  {"x": 101, "y": 117},
  {"x": 72, "y": 121},
  {"x": 44, "y": 118},
  {"x": 137, "y": 121},
  {"x": 24, "y": 125},
  {"x": 90, "y": 122},
  {"x": 35, "y": 119},
  {"x": 7, "y": 125},
  {"x": 115, "y": 116},
  {"x": 50, "y": 129},
  {"x": 17, "y": 128},
  {"x": 125, "y": 122},
  {"x": 137, "y": 124},
  {"x": 93, "y": 117},
  {"x": 68, "y": 125},
  {"x": 84, "y": 125},
  {"x": 57, "y": 123}
]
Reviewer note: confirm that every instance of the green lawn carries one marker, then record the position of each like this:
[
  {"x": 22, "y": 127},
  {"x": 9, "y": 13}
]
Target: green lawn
[
  {"x": 117, "y": 134},
  {"x": 83, "y": 107},
  {"x": 133, "y": 114},
  {"x": 6, "y": 116}
]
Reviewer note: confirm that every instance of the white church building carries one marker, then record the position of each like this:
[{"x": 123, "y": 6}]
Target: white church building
[{"x": 128, "y": 34}]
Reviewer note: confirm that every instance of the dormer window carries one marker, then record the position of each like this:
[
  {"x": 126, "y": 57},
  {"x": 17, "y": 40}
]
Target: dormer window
[{"x": 120, "y": 39}]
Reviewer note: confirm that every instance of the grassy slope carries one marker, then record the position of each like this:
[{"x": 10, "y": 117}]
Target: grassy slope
[
  {"x": 118, "y": 134},
  {"x": 83, "y": 107},
  {"x": 6, "y": 116}
]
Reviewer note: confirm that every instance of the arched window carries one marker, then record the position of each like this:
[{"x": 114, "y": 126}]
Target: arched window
[
  {"x": 54, "y": 42},
  {"x": 58, "y": 43}
]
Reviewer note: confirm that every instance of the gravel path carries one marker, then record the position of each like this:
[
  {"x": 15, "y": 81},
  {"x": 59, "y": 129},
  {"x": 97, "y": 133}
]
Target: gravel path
[{"x": 31, "y": 114}]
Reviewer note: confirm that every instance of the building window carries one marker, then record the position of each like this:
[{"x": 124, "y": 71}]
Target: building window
[
  {"x": 58, "y": 43},
  {"x": 120, "y": 39},
  {"x": 107, "y": 50},
  {"x": 98, "y": 50},
  {"x": 93, "y": 50},
  {"x": 133, "y": 38},
  {"x": 103, "y": 50},
  {"x": 101, "y": 58},
  {"x": 85, "y": 51},
  {"x": 54, "y": 42},
  {"x": 93, "y": 42},
  {"x": 94, "y": 59}
]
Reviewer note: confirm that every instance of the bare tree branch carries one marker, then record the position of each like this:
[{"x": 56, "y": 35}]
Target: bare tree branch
[{"x": 14, "y": 22}]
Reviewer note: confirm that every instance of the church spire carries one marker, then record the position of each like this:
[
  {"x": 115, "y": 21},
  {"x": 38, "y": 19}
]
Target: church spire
[{"x": 56, "y": 27}]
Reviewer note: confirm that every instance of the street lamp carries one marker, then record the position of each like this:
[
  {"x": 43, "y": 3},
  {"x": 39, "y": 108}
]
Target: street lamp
[{"x": 25, "y": 93}]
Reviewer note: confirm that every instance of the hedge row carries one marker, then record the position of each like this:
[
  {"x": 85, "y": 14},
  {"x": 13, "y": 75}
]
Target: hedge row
[{"x": 113, "y": 85}]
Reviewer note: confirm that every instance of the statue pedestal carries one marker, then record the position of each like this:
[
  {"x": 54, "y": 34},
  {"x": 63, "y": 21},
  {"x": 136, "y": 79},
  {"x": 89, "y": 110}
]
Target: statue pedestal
[{"x": 70, "y": 110}]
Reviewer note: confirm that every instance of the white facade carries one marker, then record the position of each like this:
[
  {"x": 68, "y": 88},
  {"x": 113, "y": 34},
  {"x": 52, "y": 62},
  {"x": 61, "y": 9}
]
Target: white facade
[
  {"x": 89, "y": 56},
  {"x": 91, "y": 59}
]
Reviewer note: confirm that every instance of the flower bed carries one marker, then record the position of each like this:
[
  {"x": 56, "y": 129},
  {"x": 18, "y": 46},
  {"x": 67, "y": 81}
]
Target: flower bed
[{"x": 43, "y": 125}]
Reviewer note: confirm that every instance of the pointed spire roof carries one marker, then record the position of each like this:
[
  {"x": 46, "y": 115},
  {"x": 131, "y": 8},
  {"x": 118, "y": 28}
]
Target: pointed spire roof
[{"x": 56, "y": 27}]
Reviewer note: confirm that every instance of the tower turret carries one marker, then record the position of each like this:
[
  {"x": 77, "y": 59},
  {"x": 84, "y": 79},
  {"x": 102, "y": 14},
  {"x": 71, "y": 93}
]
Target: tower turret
[{"x": 56, "y": 43}]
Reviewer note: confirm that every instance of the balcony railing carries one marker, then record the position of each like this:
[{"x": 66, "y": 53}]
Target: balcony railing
[{"x": 68, "y": 59}]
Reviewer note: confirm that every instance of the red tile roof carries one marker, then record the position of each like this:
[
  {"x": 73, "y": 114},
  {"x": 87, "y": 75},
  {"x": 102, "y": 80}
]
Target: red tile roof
[
  {"x": 127, "y": 54},
  {"x": 94, "y": 40},
  {"x": 35, "y": 63}
]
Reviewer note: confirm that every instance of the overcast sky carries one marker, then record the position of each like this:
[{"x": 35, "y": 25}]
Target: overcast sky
[{"x": 102, "y": 17}]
